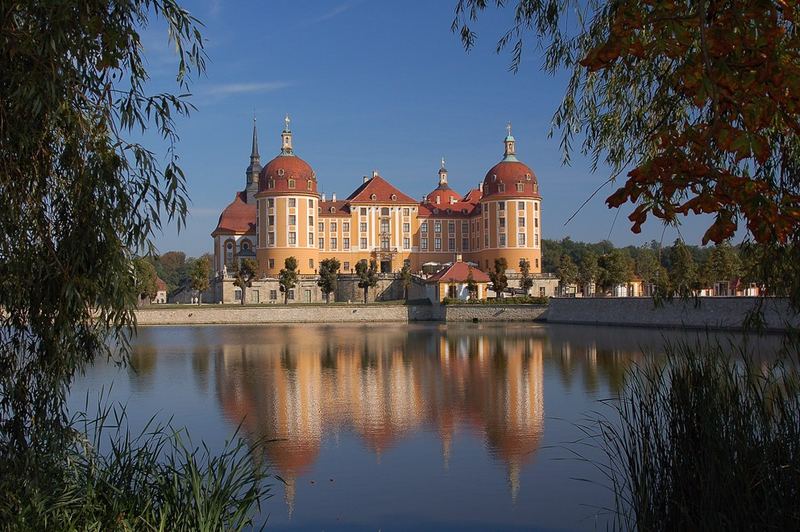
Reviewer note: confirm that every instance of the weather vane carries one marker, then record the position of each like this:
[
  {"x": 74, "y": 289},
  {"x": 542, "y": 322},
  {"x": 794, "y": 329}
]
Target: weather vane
[
  {"x": 508, "y": 128},
  {"x": 442, "y": 162},
  {"x": 287, "y": 120}
]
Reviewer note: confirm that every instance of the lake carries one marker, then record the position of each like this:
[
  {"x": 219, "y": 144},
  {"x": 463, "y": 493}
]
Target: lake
[{"x": 393, "y": 427}]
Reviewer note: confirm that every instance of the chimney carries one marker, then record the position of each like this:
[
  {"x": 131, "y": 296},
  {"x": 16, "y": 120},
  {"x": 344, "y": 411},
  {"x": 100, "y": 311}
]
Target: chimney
[
  {"x": 333, "y": 197},
  {"x": 458, "y": 257},
  {"x": 366, "y": 178},
  {"x": 323, "y": 196},
  {"x": 437, "y": 200},
  {"x": 374, "y": 173},
  {"x": 480, "y": 187}
]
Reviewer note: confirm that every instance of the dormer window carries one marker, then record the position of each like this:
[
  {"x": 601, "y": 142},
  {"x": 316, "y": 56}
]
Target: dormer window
[
  {"x": 319, "y": 209},
  {"x": 291, "y": 183},
  {"x": 449, "y": 211},
  {"x": 527, "y": 177},
  {"x": 271, "y": 183},
  {"x": 501, "y": 187},
  {"x": 494, "y": 177},
  {"x": 333, "y": 210},
  {"x": 309, "y": 185},
  {"x": 520, "y": 187},
  {"x": 394, "y": 197},
  {"x": 280, "y": 172},
  {"x": 373, "y": 197}
]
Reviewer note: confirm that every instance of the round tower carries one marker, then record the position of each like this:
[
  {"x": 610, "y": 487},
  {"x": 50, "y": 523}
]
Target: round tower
[{"x": 288, "y": 208}]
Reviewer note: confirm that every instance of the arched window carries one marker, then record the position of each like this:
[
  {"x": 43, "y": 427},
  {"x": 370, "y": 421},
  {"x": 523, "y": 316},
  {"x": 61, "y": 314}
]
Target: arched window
[
  {"x": 229, "y": 255},
  {"x": 394, "y": 197},
  {"x": 333, "y": 210},
  {"x": 373, "y": 197},
  {"x": 271, "y": 183},
  {"x": 280, "y": 172},
  {"x": 310, "y": 184},
  {"x": 291, "y": 183},
  {"x": 520, "y": 187}
]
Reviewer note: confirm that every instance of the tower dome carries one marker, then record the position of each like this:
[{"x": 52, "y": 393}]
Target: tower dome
[
  {"x": 510, "y": 177},
  {"x": 287, "y": 173}
]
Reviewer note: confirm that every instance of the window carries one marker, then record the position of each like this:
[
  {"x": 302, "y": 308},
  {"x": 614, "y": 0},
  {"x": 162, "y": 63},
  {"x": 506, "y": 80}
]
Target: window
[
  {"x": 385, "y": 211},
  {"x": 346, "y": 266},
  {"x": 291, "y": 183},
  {"x": 322, "y": 242},
  {"x": 270, "y": 220},
  {"x": 464, "y": 244},
  {"x": 363, "y": 211},
  {"x": 406, "y": 227},
  {"x": 292, "y": 219},
  {"x": 310, "y": 238},
  {"x": 346, "y": 227},
  {"x": 501, "y": 205},
  {"x": 451, "y": 227},
  {"x": 271, "y": 202},
  {"x": 310, "y": 264},
  {"x": 334, "y": 242},
  {"x": 502, "y": 221},
  {"x": 291, "y": 294},
  {"x": 521, "y": 205},
  {"x": 292, "y": 202},
  {"x": 271, "y": 238},
  {"x": 237, "y": 294},
  {"x": 406, "y": 243},
  {"x": 333, "y": 227},
  {"x": 536, "y": 222},
  {"x": 271, "y": 264},
  {"x": 405, "y": 211},
  {"x": 536, "y": 240},
  {"x": 521, "y": 221},
  {"x": 310, "y": 203},
  {"x": 311, "y": 221},
  {"x": 271, "y": 183},
  {"x": 537, "y": 263},
  {"x": 501, "y": 187},
  {"x": 423, "y": 243},
  {"x": 521, "y": 239},
  {"x": 309, "y": 184},
  {"x": 273, "y": 295},
  {"x": 536, "y": 207},
  {"x": 363, "y": 243},
  {"x": 346, "y": 243},
  {"x": 385, "y": 245},
  {"x": 322, "y": 227},
  {"x": 464, "y": 228},
  {"x": 424, "y": 227},
  {"x": 373, "y": 197},
  {"x": 384, "y": 225},
  {"x": 437, "y": 244},
  {"x": 292, "y": 238},
  {"x": 520, "y": 187},
  {"x": 451, "y": 244},
  {"x": 280, "y": 171},
  {"x": 394, "y": 197},
  {"x": 363, "y": 227},
  {"x": 332, "y": 210},
  {"x": 502, "y": 240},
  {"x": 437, "y": 226}
]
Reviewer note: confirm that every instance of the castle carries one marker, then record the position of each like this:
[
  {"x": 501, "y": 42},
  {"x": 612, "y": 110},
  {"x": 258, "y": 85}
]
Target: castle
[{"x": 280, "y": 214}]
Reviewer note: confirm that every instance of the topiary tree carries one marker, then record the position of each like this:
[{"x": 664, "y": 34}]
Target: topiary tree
[
  {"x": 367, "y": 276},
  {"x": 328, "y": 276},
  {"x": 287, "y": 277},
  {"x": 199, "y": 274},
  {"x": 525, "y": 281},
  {"x": 244, "y": 276},
  {"x": 498, "y": 276}
]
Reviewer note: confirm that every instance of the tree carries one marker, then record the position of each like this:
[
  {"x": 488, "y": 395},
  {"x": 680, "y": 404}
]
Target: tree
[
  {"x": 696, "y": 101},
  {"x": 472, "y": 286},
  {"x": 650, "y": 270},
  {"x": 405, "y": 279},
  {"x": 498, "y": 276},
  {"x": 589, "y": 270},
  {"x": 328, "y": 276},
  {"x": 567, "y": 271},
  {"x": 367, "y": 276},
  {"x": 287, "y": 277},
  {"x": 723, "y": 264},
  {"x": 244, "y": 275},
  {"x": 616, "y": 267},
  {"x": 79, "y": 195},
  {"x": 525, "y": 280},
  {"x": 199, "y": 275},
  {"x": 683, "y": 272},
  {"x": 145, "y": 276}
]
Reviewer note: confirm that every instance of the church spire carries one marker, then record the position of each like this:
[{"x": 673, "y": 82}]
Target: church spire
[
  {"x": 510, "y": 148},
  {"x": 254, "y": 157},
  {"x": 443, "y": 175},
  {"x": 254, "y": 169},
  {"x": 286, "y": 138}
]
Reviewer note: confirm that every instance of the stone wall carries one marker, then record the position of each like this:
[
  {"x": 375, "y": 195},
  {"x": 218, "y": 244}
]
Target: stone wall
[
  {"x": 450, "y": 313},
  {"x": 164, "y": 315},
  {"x": 704, "y": 312}
]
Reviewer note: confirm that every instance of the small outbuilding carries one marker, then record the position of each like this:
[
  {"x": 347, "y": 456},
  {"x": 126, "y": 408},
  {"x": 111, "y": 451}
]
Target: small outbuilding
[{"x": 453, "y": 282}]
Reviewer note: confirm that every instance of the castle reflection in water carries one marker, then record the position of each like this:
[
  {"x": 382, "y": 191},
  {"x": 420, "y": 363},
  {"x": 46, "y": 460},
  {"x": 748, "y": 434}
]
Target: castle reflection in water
[{"x": 297, "y": 384}]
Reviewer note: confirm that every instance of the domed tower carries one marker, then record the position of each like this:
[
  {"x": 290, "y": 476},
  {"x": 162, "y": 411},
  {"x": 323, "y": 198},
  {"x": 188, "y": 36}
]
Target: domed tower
[
  {"x": 288, "y": 207},
  {"x": 511, "y": 213}
]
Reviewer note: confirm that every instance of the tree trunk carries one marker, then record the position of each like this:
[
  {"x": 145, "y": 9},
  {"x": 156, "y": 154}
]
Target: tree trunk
[
  {"x": 199, "y": 298},
  {"x": 366, "y": 290},
  {"x": 243, "y": 295}
]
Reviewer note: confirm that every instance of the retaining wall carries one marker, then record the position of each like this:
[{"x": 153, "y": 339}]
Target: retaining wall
[
  {"x": 491, "y": 312},
  {"x": 704, "y": 312}
]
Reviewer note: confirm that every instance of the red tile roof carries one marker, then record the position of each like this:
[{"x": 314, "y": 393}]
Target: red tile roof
[
  {"x": 238, "y": 217},
  {"x": 161, "y": 285},
  {"x": 509, "y": 173},
  {"x": 284, "y": 167},
  {"x": 382, "y": 191},
  {"x": 340, "y": 208},
  {"x": 458, "y": 272}
]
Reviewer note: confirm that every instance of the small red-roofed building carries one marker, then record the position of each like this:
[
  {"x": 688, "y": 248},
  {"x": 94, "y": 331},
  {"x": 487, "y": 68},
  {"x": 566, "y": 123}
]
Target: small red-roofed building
[
  {"x": 453, "y": 281},
  {"x": 161, "y": 292}
]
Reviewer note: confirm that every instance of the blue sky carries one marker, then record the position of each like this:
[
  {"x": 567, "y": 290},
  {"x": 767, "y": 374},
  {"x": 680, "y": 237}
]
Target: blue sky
[{"x": 373, "y": 85}]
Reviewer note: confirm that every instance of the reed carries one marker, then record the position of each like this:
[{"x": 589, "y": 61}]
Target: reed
[
  {"x": 112, "y": 479},
  {"x": 708, "y": 440}
]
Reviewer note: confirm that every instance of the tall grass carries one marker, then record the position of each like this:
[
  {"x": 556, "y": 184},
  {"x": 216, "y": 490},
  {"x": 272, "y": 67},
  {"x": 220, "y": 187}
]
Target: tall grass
[
  {"x": 709, "y": 440},
  {"x": 111, "y": 479}
]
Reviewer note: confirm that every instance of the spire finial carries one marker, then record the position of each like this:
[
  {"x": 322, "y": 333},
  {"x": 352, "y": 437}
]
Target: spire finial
[
  {"x": 508, "y": 128},
  {"x": 286, "y": 137},
  {"x": 254, "y": 150},
  {"x": 442, "y": 161},
  {"x": 442, "y": 175},
  {"x": 286, "y": 121}
]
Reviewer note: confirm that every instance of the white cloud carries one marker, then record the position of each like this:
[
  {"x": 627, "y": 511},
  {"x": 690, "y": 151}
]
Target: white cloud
[{"x": 226, "y": 89}]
